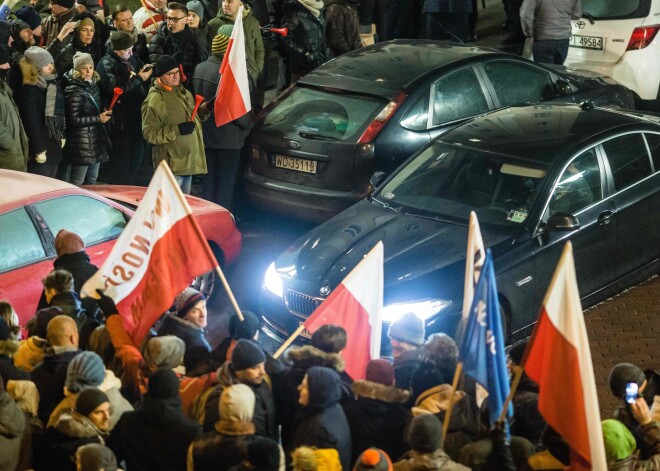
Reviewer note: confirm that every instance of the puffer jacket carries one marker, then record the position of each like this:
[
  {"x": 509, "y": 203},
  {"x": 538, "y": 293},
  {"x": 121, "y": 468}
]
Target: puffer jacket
[
  {"x": 12, "y": 430},
  {"x": 305, "y": 44},
  {"x": 197, "y": 347},
  {"x": 342, "y": 26},
  {"x": 13, "y": 140},
  {"x": 183, "y": 46},
  {"x": 61, "y": 441},
  {"x": 87, "y": 139},
  {"x": 162, "y": 111},
  {"x": 254, "y": 46}
]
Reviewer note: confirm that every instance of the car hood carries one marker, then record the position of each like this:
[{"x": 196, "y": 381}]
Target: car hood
[{"x": 413, "y": 246}]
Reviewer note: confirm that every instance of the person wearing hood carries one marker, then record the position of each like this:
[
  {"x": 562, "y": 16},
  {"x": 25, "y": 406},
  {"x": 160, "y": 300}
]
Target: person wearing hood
[
  {"x": 13, "y": 140},
  {"x": 321, "y": 421},
  {"x": 8, "y": 347},
  {"x": 233, "y": 436},
  {"x": 60, "y": 19},
  {"x": 342, "y": 26},
  {"x": 88, "y": 421},
  {"x": 254, "y": 46},
  {"x": 13, "y": 426},
  {"x": 176, "y": 39},
  {"x": 620, "y": 445},
  {"x": 87, "y": 140},
  {"x": 119, "y": 68},
  {"x": 86, "y": 39},
  {"x": 198, "y": 24},
  {"x": 157, "y": 434},
  {"x": 423, "y": 436},
  {"x": 378, "y": 417},
  {"x": 43, "y": 111}
]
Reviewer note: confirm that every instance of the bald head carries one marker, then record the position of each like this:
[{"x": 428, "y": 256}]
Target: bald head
[{"x": 62, "y": 332}]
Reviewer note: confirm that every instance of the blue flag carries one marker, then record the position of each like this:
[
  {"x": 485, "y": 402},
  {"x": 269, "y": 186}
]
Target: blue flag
[{"x": 482, "y": 348}]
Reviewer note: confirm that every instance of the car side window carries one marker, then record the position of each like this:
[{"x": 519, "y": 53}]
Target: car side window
[
  {"x": 653, "y": 140},
  {"x": 20, "y": 241},
  {"x": 457, "y": 95},
  {"x": 629, "y": 160},
  {"x": 91, "y": 219},
  {"x": 515, "y": 82},
  {"x": 579, "y": 185}
]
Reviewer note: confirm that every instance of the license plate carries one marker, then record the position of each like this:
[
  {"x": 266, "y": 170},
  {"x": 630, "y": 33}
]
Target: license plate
[
  {"x": 587, "y": 42},
  {"x": 292, "y": 163}
]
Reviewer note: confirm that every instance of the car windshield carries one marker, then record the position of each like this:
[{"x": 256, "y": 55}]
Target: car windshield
[
  {"x": 616, "y": 9},
  {"x": 317, "y": 114},
  {"x": 447, "y": 182}
]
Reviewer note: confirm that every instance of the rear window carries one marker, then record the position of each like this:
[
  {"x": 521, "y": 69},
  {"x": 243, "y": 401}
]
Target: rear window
[
  {"x": 322, "y": 115},
  {"x": 616, "y": 9}
]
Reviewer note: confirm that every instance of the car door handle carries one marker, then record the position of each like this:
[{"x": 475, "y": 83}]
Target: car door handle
[{"x": 605, "y": 217}]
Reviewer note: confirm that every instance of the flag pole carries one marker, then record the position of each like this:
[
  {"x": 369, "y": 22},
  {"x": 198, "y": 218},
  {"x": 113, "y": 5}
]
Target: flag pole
[
  {"x": 445, "y": 423},
  {"x": 218, "y": 270},
  {"x": 288, "y": 341},
  {"x": 514, "y": 387}
]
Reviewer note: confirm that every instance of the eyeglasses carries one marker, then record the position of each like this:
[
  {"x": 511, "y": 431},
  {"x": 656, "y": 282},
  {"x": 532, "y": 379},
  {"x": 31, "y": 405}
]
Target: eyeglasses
[
  {"x": 172, "y": 74},
  {"x": 169, "y": 19}
]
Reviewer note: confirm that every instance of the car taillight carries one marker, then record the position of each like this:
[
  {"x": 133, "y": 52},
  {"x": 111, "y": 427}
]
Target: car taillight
[
  {"x": 642, "y": 37},
  {"x": 379, "y": 121}
]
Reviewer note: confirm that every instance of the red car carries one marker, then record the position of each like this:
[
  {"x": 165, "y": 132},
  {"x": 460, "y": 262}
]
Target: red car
[{"x": 34, "y": 208}]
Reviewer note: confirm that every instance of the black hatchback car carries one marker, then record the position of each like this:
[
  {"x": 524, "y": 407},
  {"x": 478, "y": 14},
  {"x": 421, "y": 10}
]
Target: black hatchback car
[
  {"x": 315, "y": 148},
  {"x": 536, "y": 176}
]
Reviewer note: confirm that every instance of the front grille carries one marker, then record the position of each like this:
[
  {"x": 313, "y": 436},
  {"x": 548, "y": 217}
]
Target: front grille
[{"x": 301, "y": 304}]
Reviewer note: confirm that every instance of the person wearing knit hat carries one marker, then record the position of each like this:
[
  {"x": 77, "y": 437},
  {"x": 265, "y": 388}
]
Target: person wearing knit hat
[
  {"x": 406, "y": 336},
  {"x": 91, "y": 6},
  {"x": 373, "y": 459},
  {"x": 219, "y": 45},
  {"x": 248, "y": 355},
  {"x": 85, "y": 370},
  {"x": 164, "y": 352},
  {"x": 121, "y": 41},
  {"x": 95, "y": 457},
  {"x": 165, "y": 64},
  {"x": 188, "y": 322},
  {"x": 164, "y": 432},
  {"x": 31, "y": 17},
  {"x": 196, "y": 8},
  {"x": 14, "y": 147},
  {"x": 82, "y": 59},
  {"x": 619, "y": 442},
  {"x": 22, "y": 35},
  {"x": 67, "y": 242},
  {"x": 94, "y": 403}
]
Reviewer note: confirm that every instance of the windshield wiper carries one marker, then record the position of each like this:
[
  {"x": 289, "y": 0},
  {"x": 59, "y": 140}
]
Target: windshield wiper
[
  {"x": 588, "y": 16},
  {"x": 436, "y": 218},
  {"x": 321, "y": 137}
]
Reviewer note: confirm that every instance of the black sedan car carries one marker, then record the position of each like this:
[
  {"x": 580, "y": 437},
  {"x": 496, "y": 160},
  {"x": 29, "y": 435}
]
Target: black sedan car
[
  {"x": 315, "y": 148},
  {"x": 536, "y": 176}
]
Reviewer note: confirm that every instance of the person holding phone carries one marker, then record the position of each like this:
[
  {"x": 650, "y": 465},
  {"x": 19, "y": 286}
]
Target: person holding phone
[{"x": 119, "y": 68}]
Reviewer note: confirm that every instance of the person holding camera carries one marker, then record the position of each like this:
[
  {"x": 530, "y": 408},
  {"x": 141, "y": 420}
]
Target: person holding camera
[{"x": 119, "y": 68}]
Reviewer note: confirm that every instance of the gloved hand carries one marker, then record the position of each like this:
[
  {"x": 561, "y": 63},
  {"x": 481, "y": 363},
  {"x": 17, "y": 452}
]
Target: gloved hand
[
  {"x": 106, "y": 304},
  {"x": 41, "y": 157},
  {"x": 186, "y": 128},
  {"x": 498, "y": 433},
  {"x": 209, "y": 104}
]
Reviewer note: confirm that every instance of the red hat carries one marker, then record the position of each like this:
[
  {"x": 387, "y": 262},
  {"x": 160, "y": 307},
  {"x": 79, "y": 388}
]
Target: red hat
[
  {"x": 380, "y": 371},
  {"x": 67, "y": 242}
]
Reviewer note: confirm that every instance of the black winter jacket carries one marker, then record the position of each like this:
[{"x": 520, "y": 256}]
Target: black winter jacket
[
  {"x": 87, "y": 139},
  {"x": 197, "y": 347},
  {"x": 342, "y": 26},
  {"x": 183, "y": 46},
  {"x": 305, "y": 44},
  {"x": 63, "y": 52},
  {"x": 49, "y": 377},
  {"x": 217, "y": 452},
  {"x": 82, "y": 269}
]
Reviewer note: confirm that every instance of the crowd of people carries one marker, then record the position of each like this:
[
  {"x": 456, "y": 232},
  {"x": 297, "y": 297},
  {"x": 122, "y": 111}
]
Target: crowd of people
[{"x": 77, "y": 393}]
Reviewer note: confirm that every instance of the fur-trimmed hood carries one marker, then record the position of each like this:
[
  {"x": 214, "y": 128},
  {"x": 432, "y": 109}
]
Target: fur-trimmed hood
[
  {"x": 436, "y": 400},
  {"x": 72, "y": 424},
  {"x": 308, "y": 356},
  {"x": 8, "y": 347},
  {"x": 380, "y": 392},
  {"x": 29, "y": 71}
]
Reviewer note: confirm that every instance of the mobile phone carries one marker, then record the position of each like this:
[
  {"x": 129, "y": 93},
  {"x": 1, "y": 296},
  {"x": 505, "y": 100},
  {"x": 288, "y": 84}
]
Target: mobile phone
[
  {"x": 632, "y": 390},
  {"x": 147, "y": 68}
]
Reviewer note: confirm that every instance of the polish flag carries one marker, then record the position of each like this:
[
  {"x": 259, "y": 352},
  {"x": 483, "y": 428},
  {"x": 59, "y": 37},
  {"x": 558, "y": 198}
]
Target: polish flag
[
  {"x": 357, "y": 306},
  {"x": 558, "y": 358},
  {"x": 233, "y": 98},
  {"x": 157, "y": 255}
]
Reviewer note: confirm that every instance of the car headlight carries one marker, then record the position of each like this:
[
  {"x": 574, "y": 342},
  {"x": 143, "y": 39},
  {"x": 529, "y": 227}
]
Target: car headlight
[
  {"x": 273, "y": 281},
  {"x": 422, "y": 309}
]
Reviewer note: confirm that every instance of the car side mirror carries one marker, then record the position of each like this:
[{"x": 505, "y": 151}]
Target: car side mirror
[
  {"x": 376, "y": 179},
  {"x": 563, "y": 222},
  {"x": 562, "y": 87}
]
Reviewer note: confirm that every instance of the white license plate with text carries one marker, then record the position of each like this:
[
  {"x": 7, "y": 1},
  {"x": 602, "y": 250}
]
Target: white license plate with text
[
  {"x": 292, "y": 163},
  {"x": 586, "y": 42}
]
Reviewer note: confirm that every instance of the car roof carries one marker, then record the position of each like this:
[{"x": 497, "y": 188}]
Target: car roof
[
  {"x": 537, "y": 134},
  {"x": 17, "y": 186},
  {"x": 386, "y": 68}
]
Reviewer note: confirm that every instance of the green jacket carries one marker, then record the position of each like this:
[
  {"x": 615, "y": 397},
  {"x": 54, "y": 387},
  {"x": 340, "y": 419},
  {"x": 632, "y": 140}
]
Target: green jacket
[
  {"x": 13, "y": 140},
  {"x": 254, "y": 46},
  {"x": 162, "y": 111}
]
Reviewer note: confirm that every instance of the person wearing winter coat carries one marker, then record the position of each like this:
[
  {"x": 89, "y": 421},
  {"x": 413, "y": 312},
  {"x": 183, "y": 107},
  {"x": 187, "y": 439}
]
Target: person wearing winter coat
[
  {"x": 425, "y": 453},
  {"x": 95, "y": 457},
  {"x": 406, "y": 336},
  {"x": 43, "y": 111},
  {"x": 8, "y": 371},
  {"x": 156, "y": 436},
  {"x": 86, "y": 39},
  {"x": 620, "y": 444},
  {"x": 199, "y": 25},
  {"x": 223, "y": 144},
  {"x": 22, "y": 39},
  {"x": 87, "y": 141},
  {"x": 378, "y": 417},
  {"x": 321, "y": 422},
  {"x": 342, "y": 26},
  {"x": 167, "y": 125},
  {"x": 62, "y": 13},
  {"x": 122, "y": 20},
  {"x": 13, "y": 140},
  {"x": 233, "y": 435},
  {"x": 119, "y": 68},
  {"x": 254, "y": 46},
  {"x": 13, "y": 426}
]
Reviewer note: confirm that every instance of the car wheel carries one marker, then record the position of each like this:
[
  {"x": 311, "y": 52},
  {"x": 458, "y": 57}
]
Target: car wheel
[{"x": 209, "y": 283}]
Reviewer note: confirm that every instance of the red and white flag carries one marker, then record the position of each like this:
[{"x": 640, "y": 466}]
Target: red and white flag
[
  {"x": 356, "y": 304},
  {"x": 558, "y": 358},
  {"x": 233, "y": 98},
  {"x": 156, "y": 256}
]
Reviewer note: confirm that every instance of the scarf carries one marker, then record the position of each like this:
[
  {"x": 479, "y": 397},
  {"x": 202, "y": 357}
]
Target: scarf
[
  {"x": 314, "y": 6},
  {"x": 55, "y": 110}
]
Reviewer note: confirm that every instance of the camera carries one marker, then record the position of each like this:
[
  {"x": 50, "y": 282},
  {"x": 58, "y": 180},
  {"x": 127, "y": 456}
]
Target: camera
[{"x": 632, "y": 390}]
